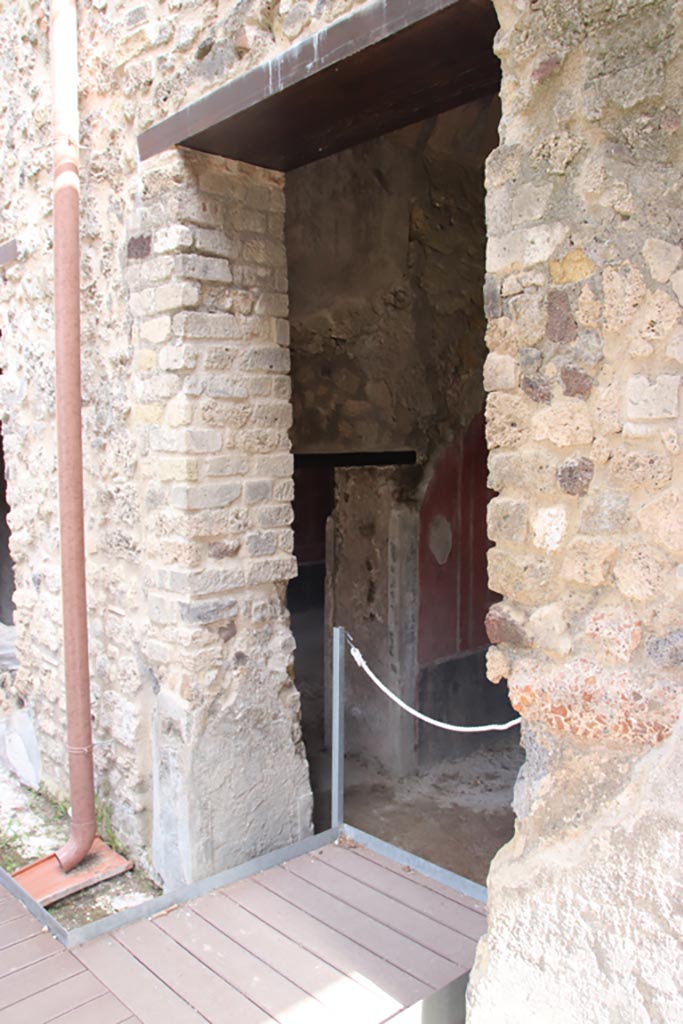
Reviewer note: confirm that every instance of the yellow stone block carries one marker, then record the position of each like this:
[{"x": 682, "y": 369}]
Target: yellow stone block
[
  {"x": 572, "y": 267},
  {"x": 145, "y": 360},
  {"x": 177, "y": 468},
  {"x": 142, "y": 414},
  {"x": 179, "y": 412}
]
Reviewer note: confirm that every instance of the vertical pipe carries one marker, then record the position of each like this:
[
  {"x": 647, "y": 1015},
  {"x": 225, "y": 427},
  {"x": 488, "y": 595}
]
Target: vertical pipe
[
  {"x": 64, "y": 65},
  {"x": 338, "y": 680}
]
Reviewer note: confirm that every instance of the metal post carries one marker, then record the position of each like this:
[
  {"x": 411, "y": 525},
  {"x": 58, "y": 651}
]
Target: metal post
[{"x": 338, "y": 666}]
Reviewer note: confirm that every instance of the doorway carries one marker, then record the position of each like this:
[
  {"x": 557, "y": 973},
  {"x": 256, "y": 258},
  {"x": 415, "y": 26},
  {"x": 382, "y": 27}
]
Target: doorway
[
  {"x": 8, "y": 644},
  {"x": 386, "y": 244},
  {"x": 6, "y": 563},
  {"x": 381, "y": 121}
]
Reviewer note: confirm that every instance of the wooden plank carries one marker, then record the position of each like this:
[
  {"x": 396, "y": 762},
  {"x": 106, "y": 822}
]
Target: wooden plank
[
  {"x": 184, "y": 972},
  {"x": 30, "y": 951},
  {"x": 51, "y": 1002},
  {"x": 333, "y": 989},
  {"x": 278, "y": 998},
  {"x": 401, "y": 919},
  {"x": 420, "y": 963},
  {"x": 403, "y": 888},
  {"x": 18, "y": 930},
  {"x": 144, "y": 994},
  {"x": 106, "y": 1009},
  {"x": 420, "y": 879},
  {"x": 25, "y": 982},
  {"x": 11, "y": 910},
  {"x": 368, "y": 969}
]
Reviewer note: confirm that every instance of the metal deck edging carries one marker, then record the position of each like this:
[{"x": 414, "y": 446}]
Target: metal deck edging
[
  {"x": 40, "y": 913},
  {"x": 183, "y": 894},
  {"x": 411, "y": 860},
  {"x": 77, "y": 936}
]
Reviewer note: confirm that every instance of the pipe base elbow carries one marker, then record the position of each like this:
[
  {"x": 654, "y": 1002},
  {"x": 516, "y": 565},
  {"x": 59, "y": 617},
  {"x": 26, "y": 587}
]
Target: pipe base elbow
[{"x": 77, "y": 846}]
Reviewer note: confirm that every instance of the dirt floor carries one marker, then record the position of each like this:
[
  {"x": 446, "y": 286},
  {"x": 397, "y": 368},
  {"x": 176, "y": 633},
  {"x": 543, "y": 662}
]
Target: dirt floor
[{"x": 457, "y": 815}]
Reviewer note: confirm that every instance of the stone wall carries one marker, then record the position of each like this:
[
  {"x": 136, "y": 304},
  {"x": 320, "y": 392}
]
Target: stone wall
[
  {"x": 138, "y": 62},
  {"x": 584, "y": 303},
  {"x": 385, "y": 244},
  {"x": 373, "y": 594}
]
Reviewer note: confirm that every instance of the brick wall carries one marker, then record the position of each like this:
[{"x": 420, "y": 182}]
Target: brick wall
[{"x": 207, "y": 273}]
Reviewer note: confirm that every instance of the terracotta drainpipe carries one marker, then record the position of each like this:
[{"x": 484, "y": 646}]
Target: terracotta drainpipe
[{"x": 64, "y": 61}]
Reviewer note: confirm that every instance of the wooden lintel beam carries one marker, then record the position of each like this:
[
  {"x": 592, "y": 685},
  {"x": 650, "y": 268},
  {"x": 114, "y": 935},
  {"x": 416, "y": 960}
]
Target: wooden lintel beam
[{"x": 386, "y": 65}]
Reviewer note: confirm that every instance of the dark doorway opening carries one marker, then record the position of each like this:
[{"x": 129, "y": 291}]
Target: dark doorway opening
[
  {"x": 386, "y": 246},
  {"x": 6, "y": 563},
  {"x": 8, "y": 661},
  {"x": 386, "y": 242},
  {"x": 313, "y": 503}
]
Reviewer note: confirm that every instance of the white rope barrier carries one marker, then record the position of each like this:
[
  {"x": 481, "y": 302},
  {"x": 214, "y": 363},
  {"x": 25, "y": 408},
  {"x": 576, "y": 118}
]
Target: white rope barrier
[{"x": 362, "y": 663}]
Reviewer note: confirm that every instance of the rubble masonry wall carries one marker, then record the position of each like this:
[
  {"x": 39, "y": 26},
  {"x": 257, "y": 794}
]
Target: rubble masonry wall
[
  {"x": 137, "y": 63},
  {"x": 584, "y": 295}
]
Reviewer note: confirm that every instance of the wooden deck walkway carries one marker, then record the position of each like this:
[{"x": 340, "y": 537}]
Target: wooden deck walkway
[{"x": 341, "y": 934}]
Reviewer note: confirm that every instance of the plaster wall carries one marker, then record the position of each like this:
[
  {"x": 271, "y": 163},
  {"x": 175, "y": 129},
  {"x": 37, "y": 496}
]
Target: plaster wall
[
  {"x": 584, "y": 294},
  {"x": 453, "y": 599}
]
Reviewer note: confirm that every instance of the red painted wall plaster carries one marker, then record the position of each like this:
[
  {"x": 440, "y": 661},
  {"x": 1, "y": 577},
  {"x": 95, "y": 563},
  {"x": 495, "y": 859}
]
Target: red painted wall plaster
[{"x": 454, "y": 596}]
